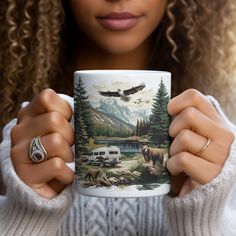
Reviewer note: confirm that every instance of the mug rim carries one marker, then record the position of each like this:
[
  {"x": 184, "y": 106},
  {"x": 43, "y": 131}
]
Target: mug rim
[{"x": 120, "y": 71}]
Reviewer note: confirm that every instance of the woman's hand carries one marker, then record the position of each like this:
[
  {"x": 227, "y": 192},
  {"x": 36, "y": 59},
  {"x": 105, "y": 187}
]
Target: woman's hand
[
  {"x": 195, "y": 121},
  {"x": 47, "y": 116}
]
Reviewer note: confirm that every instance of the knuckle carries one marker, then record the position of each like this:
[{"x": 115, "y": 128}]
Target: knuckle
[
  {"x": 58, "y": 165},
  {"x": 194, "y": 95},
  {"x": 184, "y": 137},
  {"x": 71, "y": 176},
  {"x": 57, "y": 140},
  {"x": 169, "y": 106},
  {"x": 183, "y": 159},
  {"x": 168, "y": 164},
  {"x": 189, "y": 114},
  {"x": 46, "y": 96},
  {"x": 55, "y": 119},
  {"x": 171, "y": 130},
  {"x": 71, "y": 137}
]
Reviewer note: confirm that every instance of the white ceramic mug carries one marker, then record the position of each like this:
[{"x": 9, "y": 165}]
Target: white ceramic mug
[{"x": 121, "y": 132}]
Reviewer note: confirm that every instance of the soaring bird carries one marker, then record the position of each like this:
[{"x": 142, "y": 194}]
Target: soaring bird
[
  {"x": 124, "y": 95},
  {"x": 141, "y": 101}
]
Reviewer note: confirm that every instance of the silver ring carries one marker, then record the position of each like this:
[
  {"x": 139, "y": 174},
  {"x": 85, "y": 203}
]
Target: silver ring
[
  {"x": 37, "y": 151},
  {"x": 204, "y": 147}
]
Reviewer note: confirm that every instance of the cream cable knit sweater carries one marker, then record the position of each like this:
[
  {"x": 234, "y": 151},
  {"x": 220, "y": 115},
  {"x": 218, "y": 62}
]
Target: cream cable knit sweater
[{"x": 207, "y": 210}]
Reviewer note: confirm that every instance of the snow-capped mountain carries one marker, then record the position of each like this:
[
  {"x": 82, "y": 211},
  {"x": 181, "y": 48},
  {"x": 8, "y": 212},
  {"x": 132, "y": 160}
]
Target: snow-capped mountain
[
  {"x": 111, "y": 106},
  {"x": 109, "y": 121}
]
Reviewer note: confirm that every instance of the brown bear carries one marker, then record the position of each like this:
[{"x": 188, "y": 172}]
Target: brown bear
[{"x": 152, "y": 154}]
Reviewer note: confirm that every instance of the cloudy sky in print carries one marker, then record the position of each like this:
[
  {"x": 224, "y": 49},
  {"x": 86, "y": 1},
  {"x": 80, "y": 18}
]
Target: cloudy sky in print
[{"x": 112, "y": 82}]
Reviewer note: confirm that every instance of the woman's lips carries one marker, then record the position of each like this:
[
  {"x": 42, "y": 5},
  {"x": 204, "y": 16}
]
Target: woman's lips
[{"x": 119, "y": 21}]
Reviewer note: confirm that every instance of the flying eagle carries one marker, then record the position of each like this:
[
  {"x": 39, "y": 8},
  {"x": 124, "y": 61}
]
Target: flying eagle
[{"x": 124, "y": 95}]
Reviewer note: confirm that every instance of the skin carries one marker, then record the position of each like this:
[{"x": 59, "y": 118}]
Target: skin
[
  {"x": 101, "y": 48},
  {"x": 194, "y": 117}
]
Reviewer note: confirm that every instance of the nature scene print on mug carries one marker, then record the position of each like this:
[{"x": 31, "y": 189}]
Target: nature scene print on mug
[{"x": 121, "y": 132}]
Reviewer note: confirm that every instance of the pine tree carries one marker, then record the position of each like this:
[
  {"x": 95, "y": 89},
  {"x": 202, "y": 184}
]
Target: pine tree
[
  {"x": 159, "y": 119},
  {"x": 137, "y": 128},
  {"x": 81, "y": 137},
  {"x": 83, "y": 106},
  {"x": 83, "y": 118},
  {"x": 141, "y": 127},
  {"x": 146, "y": 128}
]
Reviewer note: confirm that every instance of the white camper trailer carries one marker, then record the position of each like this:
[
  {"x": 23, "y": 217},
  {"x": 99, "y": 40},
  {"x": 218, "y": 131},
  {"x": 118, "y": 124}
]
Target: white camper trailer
[{"x": 105, "y": 156}]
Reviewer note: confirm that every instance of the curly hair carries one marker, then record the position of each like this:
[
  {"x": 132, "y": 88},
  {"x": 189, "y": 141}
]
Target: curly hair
[{"x": 195, "y": 41}]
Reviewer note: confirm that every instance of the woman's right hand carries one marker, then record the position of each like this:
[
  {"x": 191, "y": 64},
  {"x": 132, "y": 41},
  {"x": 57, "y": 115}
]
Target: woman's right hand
[{"x": 48, "y": 116}]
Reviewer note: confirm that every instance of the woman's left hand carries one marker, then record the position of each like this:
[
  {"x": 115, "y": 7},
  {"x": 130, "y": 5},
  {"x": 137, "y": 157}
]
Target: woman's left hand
[{"x": 195, "y": 124}]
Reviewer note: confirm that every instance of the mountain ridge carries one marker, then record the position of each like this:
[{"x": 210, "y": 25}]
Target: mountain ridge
[{"x": 111, "y": 107}]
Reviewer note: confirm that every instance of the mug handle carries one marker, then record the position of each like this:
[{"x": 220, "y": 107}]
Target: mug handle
[{"x": 70, "y": 101}]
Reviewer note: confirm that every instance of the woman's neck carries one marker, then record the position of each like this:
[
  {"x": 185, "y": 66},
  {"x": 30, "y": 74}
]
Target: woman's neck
[{"x": 90, "y": 56}]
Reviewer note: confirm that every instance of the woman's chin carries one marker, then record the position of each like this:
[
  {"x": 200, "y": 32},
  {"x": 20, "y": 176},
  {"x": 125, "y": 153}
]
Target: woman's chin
[{"x": 119, "y": 47}]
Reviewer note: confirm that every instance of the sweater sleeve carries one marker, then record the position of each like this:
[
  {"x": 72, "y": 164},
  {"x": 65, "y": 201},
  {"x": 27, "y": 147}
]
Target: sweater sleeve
[
  {"x": 209, "y": 209},
  {"x": 23, "y": 211}
]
